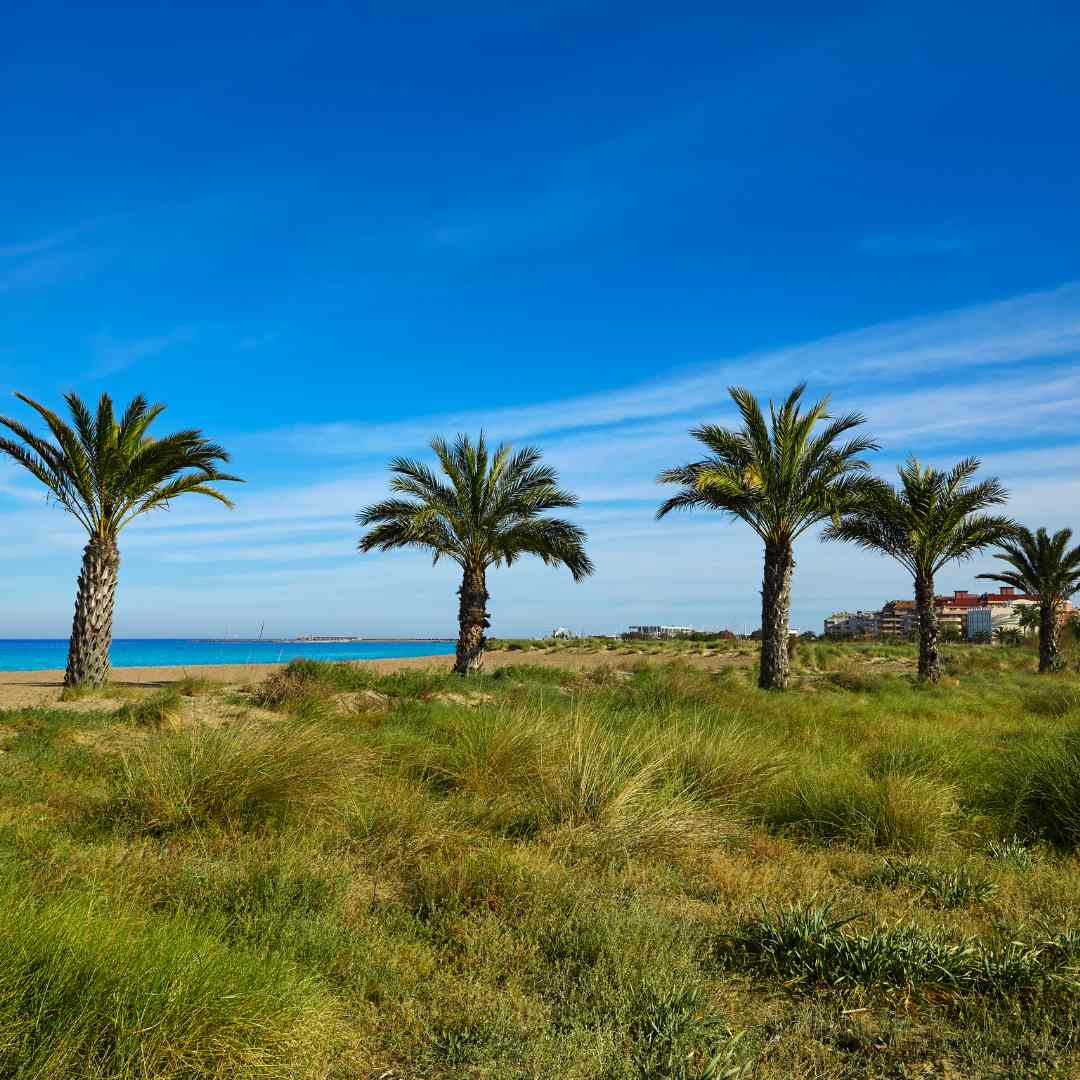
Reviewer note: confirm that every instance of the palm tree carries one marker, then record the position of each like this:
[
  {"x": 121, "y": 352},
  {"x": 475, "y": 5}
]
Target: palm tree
[
  {"x": 931, "y": 519},
  {"x": 488, "y": 515},
  {"x": 1044, "y": 568},
  {"x": 1028, "y": 618},
  {"x": 781, "y": 478},
  {"x": 106, "y": 473}
]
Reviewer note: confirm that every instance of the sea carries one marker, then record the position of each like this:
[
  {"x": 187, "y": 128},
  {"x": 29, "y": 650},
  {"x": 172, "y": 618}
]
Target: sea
[{"x": 38, "y": 654}]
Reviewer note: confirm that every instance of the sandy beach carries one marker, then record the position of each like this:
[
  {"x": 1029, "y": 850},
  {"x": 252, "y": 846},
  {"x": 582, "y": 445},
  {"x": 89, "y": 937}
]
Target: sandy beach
[{"x": 23, "y": 689}]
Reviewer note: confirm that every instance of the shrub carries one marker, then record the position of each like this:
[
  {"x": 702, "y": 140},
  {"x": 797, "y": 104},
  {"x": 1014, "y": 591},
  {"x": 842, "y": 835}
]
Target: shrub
[
  {"x": 300, "y": 680},
  {"x": 485, "y": 752},
  {"x": 86, "y": 992},
  {"x": 1011, "y": 851},
  {"x": 859, "y": 682},
  {"x": 483, "y": 878},
  {"x": 226, "y": 775}
]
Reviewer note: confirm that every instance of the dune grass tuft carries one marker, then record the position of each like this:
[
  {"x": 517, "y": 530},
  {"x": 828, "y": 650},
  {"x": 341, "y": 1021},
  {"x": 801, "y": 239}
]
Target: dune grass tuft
[
  {"x": 228, "y": 775},
  {"x": 910, "y": 813},
  {"x": 91, "y": 992},
  {"x": 1042, "y": 783}
]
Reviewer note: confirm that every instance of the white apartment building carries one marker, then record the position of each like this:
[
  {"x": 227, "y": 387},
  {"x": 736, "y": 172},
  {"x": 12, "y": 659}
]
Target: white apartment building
[
  {"x": 660, "y": 631},
  {"x": 983, "y": 622}
]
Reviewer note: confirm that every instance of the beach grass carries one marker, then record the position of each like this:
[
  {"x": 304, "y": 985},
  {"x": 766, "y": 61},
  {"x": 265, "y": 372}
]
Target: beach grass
[{"x": 594, "y": 863}]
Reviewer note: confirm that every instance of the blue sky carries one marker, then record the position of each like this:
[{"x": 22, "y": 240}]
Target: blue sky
[{"x": 325, "y": 232}]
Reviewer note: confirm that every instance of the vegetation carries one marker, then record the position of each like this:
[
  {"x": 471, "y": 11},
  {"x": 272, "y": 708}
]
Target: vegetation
[
  {"x": 1044, "y": 568},
  {"x": 780, "y": 477},
  {"x": 107, "y": 472},
  {"x": 932, "y": 518},
  {"x": 488, "y": 515},
  {"x": 599, "y": 863}
]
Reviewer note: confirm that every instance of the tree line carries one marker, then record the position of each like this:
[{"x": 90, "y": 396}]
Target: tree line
[{"x": 487, "y": 507}]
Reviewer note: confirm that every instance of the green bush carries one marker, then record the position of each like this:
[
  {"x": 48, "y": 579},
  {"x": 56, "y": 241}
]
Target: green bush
[{"x": 726, "y": 764}]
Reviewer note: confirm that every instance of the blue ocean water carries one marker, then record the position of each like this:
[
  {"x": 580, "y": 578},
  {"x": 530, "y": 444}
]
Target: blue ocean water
[{"x": 39, "y": 654}]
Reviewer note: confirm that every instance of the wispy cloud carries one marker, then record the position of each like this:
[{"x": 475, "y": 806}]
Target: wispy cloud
[
  {"x": 48, "y": 241},
  {"x": 297, "y": 539},
  {"x": 1034, "y": 327},
  {"x": 113, "y": 354},
  {"x": 45, "y": 259}
]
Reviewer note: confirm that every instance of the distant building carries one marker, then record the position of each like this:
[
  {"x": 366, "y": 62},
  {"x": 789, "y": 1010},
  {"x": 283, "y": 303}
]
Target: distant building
[
  {"x": 561, "y": 633},
  {"x": 854, "y": 625},
  {"x": 984, "y": 622},
  {"x": 659, "y": 632},
  {"x": 973, "y": 616},
  {"x": 895, "y": 618}
]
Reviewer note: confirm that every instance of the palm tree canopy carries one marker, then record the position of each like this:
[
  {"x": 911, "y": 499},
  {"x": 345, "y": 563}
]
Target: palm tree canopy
[
  {"x": 485, "y": 510},
  {"x": 931, "y": 519},
  {"x": 781, "y": 477},
  {"x": 106, "y": 471},
  {"x": 1042, "y": 565}
]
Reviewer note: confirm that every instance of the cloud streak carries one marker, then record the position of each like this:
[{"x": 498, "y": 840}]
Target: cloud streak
[{"x": 1024, "y": 330}]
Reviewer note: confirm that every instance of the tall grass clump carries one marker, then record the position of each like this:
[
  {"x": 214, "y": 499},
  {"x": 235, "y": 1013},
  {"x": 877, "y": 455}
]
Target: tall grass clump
[
  {"x": 300, "y": 680},
  {"x": 1041, "y": 789},
  {"x": 227, "y": 775},
  {"x": 911, "y": 813},
  {"x": 87, "y": 992},
  {"x": 153, "y": 710},
  {"x": 1054, "y": 701},
  {"x": 724, "y": 763},
  {"x": 489, "y": 753},
  {"x": 607, "y": 790}
]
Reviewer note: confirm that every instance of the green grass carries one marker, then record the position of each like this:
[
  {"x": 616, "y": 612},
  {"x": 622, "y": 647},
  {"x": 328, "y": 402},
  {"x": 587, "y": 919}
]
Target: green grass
[
  {"x": 614, "y": 870},
  {"x": 808, "y": 945},
  {"x": 228, "y": 776},
  {"x": 91, "y": 990}
]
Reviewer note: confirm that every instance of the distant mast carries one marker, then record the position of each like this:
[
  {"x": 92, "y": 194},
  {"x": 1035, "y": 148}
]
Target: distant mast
[{"x": 261, "y": 629}]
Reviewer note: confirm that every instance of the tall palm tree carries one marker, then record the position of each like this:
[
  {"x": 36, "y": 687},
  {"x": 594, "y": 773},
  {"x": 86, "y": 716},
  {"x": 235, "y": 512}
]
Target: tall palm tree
[
  {"x": 933, "y": 518},
  {"x": 107, "y": 472},
  {"x": 781, "y": 477},
  {"x": 1045, "y": 568},
  {"x": 488, "y": 515}
]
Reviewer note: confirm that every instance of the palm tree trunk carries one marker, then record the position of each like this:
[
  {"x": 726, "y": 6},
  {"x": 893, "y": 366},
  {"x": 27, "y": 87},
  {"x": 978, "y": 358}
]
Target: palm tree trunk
[
  {"x": 929, "y": 659},
  {"x": 775, "y": 616},
  {"x": 472, "y": 622},
  {"x": 91, "y": 630},
  {"x": 1048, "y": 638}
]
